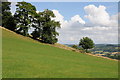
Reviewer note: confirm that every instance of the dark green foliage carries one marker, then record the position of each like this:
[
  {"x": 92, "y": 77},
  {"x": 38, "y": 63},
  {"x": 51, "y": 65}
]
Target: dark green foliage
[
  {"x": 6, "y": 6},
  {"x": 9, "y": 23},
  {"x": 7, "y": 18},
  {"x": 35, "y": 34},
  {"x": 49, "y": 28},
  {"x": 24, "y": 16},
  {"x": 46, "y": 27},
  {"x": 75, "y": 46},
  {"x": 38, "y": 20},
  {"x": 86, "y": 43}
]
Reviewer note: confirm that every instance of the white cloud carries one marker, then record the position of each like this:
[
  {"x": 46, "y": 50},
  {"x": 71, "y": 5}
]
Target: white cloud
[
  {"x": 75, "y": 21},
  {"x": 13, "y": 7},
  {"x": 77, "y": 18},
  {"x": 99, "y": 16},
  {"x": 102, "y": 28},
  {"x": 58, "y": 17}
]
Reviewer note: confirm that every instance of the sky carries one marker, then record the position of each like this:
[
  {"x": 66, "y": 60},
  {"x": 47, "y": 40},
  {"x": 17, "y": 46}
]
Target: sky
[{"x": 96, "y": 20}]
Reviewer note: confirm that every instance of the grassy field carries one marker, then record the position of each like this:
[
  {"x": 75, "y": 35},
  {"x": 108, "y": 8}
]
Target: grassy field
[{"x": 26, "y": 58}]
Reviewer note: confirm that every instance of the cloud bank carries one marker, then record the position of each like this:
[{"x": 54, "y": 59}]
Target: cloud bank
[{"x": 102, "y": 27}]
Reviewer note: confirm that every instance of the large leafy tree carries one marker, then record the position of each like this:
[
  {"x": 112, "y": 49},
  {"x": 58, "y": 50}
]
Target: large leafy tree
[
  {"x": 24, "y": 16},
  {"x": 46, "y": 27},
  {"x": 86, "y": 43},
  {"x": 38, "y": 25},
  {"x": 49, "y": 32},
  {"x": 7, "y": 18}
]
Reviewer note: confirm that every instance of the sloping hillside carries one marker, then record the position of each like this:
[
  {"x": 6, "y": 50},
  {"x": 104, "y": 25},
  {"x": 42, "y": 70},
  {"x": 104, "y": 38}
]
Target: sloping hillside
[{"x": 26, "y": 58}]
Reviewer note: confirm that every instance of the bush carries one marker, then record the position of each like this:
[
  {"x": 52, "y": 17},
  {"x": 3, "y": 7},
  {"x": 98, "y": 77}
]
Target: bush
[{"x": 75, "y": 46}]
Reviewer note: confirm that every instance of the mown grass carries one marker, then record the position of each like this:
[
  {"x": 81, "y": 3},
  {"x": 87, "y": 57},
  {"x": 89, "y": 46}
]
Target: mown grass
[{"x": 26, "y": 58}]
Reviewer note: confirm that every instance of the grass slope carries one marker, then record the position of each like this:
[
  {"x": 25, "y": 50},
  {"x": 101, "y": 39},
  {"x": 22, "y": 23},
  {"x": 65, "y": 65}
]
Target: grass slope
[{"x": 26, "y": 58}]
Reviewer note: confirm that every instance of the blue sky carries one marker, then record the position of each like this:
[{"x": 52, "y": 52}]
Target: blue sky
[
  {"x": 97, "y": 20},
  {"x": 69, "y": 9}
]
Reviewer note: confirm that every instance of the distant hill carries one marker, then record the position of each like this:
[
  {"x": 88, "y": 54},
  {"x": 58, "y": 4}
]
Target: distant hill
[
  {"x": 110, "y": 51},
  {"x": 24, "y": 57},
  {"x": 115, "y": 45}
]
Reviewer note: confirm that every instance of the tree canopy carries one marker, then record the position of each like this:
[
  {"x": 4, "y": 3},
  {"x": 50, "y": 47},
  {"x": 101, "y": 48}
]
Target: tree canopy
[
  {"x": 49, "y": 28},
  {"x": 24, "y": 16},
  {"x": 46, "y": 27},
  {"x": 7, "y": 18},
  {"x": 86, "y": 43}
]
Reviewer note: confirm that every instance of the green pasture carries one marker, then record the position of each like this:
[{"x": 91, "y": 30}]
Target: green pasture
[{"x": 23, "y": 57}]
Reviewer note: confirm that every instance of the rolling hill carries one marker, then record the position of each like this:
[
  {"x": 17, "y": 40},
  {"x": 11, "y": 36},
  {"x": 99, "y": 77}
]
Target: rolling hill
[{"x": 23, "y": 57}]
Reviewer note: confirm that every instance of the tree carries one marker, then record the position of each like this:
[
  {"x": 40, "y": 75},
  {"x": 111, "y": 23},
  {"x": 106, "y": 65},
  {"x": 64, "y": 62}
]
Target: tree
[
  {"x": 7, "y": 18},
  {"x": 49, "y": 32},
  {"x": 38, "y": 25},
  {"x": 24, "y": 16},
  {"x": 46, "y": 27},
  {"x": 86, "y": 43}
]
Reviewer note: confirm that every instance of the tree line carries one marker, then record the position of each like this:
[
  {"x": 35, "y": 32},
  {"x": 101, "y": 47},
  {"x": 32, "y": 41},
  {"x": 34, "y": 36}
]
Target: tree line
[{"x": 26, "y": 17}]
